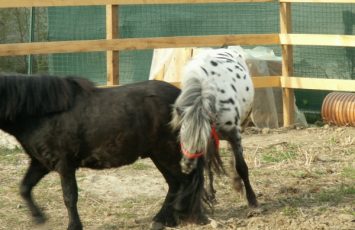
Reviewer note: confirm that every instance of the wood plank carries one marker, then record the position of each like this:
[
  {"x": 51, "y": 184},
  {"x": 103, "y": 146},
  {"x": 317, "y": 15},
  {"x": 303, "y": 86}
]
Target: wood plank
[
  {"x": 318, "y": 84},
  {"x": 112, "y": 33},
  {"x": 266, "y": 81},
  {"x": 288, "y": 100},
  {"x": 259, "y": 82},
  {"x": 318, "y": 39},
  {"x": 44, "y": 3},
  {"x": 136, "y": 44},
  {"x": 318, "y": 1},
  {"x": 300, "y": 83}
]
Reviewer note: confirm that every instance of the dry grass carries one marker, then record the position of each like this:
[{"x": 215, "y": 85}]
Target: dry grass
[{"x": 304, "y": 180}]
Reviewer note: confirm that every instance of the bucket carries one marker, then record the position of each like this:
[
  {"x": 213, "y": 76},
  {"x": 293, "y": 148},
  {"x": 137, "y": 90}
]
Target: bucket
[{"x": 339, "y": 109}]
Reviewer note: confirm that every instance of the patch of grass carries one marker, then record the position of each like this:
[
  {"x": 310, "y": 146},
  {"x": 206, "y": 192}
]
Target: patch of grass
[
  {"x": 279, "y": 154},
  {"x": 140, "y": 166},
  {"x": 290, "y": 211},
  {"x": 333, "y": 141},
  {"x": 349, "y": 172},
  {"x": 335, "y": 196},
  {"x": 319, "y": 172},
  {"x": 328, "y": 197},
  {"x": 9, "y": 155},
  {"x": 322, "y": 209},
  {"x": 349, "y": 151},
  {"x": 350, "y": 210},
  {"x": 108, "y": 227},
  {"x": 224, "y": 152},
  {"x": 302, "y": 174}
]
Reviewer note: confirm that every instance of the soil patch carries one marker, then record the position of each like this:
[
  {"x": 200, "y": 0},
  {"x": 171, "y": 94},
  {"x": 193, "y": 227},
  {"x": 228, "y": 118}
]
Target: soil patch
[{"x": 304, "y": 179}]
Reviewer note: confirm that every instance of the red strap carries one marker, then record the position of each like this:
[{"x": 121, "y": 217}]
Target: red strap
[
  {"x": 190, "y": 155},
  {"x": 214, "y": 135}
]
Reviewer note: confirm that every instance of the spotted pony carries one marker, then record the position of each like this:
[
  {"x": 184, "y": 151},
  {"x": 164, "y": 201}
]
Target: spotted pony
[{"x": 217, "y": 96}]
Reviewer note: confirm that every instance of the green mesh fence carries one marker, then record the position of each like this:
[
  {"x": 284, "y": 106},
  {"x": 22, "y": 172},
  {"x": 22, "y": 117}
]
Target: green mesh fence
[
  {"x": 322, "y": 62},
  {"x": 15, "y": 27},
  {"x": 80, "y": 23},
  {"x": 73, "y": 23}
]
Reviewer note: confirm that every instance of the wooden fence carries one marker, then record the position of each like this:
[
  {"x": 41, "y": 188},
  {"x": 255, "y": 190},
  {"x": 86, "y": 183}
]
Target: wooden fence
[{"x": 113, "y": 44}]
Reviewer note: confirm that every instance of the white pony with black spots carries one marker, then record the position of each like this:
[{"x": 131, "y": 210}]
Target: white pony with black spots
[{"x": 217, "y": 96}]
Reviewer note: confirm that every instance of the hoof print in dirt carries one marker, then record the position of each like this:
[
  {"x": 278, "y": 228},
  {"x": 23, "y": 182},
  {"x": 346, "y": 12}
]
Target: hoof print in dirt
[{"x": 255, "y": 212}]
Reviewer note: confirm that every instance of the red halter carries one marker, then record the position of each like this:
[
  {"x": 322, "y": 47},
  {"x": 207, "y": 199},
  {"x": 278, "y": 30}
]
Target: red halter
[{"x": 214, "y": 135}]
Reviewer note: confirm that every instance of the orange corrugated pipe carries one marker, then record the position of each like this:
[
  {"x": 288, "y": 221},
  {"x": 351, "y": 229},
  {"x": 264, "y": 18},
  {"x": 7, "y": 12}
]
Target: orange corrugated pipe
[{"x": 339, "y": 109}]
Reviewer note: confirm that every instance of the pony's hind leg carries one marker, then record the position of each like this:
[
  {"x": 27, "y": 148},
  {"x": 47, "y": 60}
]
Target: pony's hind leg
[
  {"x": 242, "y": 168},
  {"x": 237, "y": 180},
  {"x": 34, "y": 174}
]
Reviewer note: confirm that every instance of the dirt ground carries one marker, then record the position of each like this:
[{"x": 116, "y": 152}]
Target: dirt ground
[{"x": 304, "y": 179}]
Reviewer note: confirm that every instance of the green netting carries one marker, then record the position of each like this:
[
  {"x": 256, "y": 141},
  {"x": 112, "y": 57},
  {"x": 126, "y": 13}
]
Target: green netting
[
  {"x": 73, "y": 23},
  {"x": 15, "y": 27},
  {"x": 80, "y": 23},
  {"x": 322, "y": 62}
]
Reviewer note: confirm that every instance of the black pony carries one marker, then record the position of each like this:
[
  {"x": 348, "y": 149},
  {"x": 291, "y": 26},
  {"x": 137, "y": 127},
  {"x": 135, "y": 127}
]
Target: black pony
[{"x": 67, "y": 123}]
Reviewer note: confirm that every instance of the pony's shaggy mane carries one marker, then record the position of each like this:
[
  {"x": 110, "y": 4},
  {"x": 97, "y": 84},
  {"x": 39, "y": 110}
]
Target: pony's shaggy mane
[{"x": 38, "y": 95}]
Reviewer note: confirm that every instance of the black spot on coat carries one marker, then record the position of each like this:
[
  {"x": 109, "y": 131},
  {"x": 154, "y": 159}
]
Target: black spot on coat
[
  {"x": 214, "y": 63},
  {"x": 204, "y": 70},
  {"x": 229, "y": 101},
  {"x": 234, "y": 89},
  {"x": 228, "y": 123}
]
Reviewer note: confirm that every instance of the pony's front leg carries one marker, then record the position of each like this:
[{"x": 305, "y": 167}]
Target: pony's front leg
[
  {"x": 34, "y": 174},
  {"x": 70, "y": 195},
  {"x": 242, "y": 168}
]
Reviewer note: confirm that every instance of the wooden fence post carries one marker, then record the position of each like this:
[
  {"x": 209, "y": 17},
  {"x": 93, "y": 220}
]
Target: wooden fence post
[
  {"x": 111, "y": 55},
  {"x": 287, "y": 64}
]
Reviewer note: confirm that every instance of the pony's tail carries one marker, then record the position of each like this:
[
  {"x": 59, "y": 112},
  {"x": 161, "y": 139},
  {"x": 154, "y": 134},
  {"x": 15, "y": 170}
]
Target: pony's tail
[
  {"x": 203, "y": 120},
  {"x": 195, "y": 108},
  {"x": 199, "y": 114}
]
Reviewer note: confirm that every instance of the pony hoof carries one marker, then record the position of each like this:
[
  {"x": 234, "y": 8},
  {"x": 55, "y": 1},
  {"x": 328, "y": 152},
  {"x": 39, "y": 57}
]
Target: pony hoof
[
  {"x": 75, "y": 226},
  {"x": 40, "y": 219},
  {"x": 157, "y": 226},
  {"x": 203, "y": 220},
  {"x": 253, "y": 204}
]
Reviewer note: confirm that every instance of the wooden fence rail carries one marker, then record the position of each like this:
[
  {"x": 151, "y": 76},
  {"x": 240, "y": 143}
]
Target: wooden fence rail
[
  {"x": 113, "y": 44},
  {"x": 136, "y": 44},
  {"x": 45, "y": 3}
]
